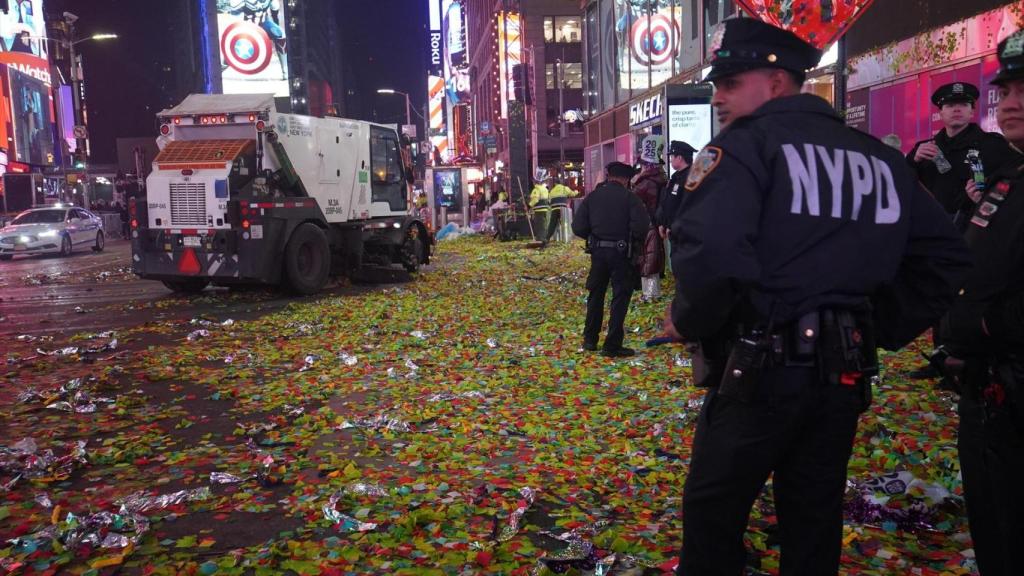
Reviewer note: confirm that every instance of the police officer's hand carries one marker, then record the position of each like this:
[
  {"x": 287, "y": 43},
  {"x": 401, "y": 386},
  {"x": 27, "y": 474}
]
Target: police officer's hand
[
  {"x": 972, "y": 191},
  {"x": 669, "y": 327},
  {"x": 663, "y": 232},
  {"x": 927, "y": 151}
]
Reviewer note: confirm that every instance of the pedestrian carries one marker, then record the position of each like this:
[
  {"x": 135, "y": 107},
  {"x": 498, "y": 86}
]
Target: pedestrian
[
  {"x": 984, "y": 334},
  {"x": 799, "y": 244},
  {"x": 122, "y": 210},
  {"x": 680, "y": 157},
  {"x": 559, "y": 197},
  {"x": 540, "y": 203},
  {"x": 612, "y": 220},
  {"x": 943, "y": 163},
  {"x": 647, "y": 185}
]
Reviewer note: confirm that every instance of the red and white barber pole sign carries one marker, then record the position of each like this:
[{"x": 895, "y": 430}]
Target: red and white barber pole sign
[{"x": 246, "y": 47}]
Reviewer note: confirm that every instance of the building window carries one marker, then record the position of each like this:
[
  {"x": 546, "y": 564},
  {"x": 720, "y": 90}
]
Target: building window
[
  {"x": 562, "y": 29},
  {"x": 572, "y": 75}
]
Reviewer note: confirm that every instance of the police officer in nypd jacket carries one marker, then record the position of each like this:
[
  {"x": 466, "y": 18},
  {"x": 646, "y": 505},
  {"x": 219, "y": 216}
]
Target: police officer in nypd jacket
[
  {"x": 800, "y": 244},
  {"x": 984, "y": 334},
  {"x": 959, "y": 139}
]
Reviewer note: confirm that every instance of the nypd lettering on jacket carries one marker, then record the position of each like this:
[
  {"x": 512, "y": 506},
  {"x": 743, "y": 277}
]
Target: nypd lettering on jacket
[{"x": 840, "y": 183}]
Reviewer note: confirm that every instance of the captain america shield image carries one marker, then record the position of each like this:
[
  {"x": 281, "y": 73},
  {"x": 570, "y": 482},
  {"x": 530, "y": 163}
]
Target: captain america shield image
[
  {"x": 653, "y": 40},
  {"x": 246, "y": 47}
]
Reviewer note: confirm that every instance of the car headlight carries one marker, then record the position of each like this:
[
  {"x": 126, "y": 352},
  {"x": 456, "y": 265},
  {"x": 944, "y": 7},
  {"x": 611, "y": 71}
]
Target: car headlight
[
  {"x": 25, "y": 239},
  {"x": 48, "y": 234}
]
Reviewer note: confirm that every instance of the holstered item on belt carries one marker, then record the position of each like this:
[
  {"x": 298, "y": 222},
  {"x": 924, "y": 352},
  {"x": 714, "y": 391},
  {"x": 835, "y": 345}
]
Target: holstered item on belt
[
  {"x": 847, "y": 352},
  {"x": 744, "y": 366},
  {"x": 706, "y": 367}
]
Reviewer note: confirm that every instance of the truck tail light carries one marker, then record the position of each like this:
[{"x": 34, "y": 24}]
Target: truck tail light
[
  {"x": 177, "y": 120},
  {"x": 165, "y": 129},
  {"x": 261, "y": 126},
  {"x": 245, "y": 224},
  {"x": 135, "y": 224},
  {"x": 252, "y": 117}
]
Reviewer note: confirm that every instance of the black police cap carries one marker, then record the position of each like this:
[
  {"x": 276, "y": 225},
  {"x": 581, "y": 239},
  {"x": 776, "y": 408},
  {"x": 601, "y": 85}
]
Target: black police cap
[
  {"x": 620, "y": 170},
  {"x": 741, "y": 44},
  {"x": 1011, "y": 59},
  {"x": 680, "y": 148},
  {"x": 955, "y": 92}
]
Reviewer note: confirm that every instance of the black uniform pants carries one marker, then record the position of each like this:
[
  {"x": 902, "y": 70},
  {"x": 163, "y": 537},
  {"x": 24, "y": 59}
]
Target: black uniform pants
[
  {"x": 992, "y": 465},
  {"x": 798, "y": 429},
  {"x": 608, "y": 265}
]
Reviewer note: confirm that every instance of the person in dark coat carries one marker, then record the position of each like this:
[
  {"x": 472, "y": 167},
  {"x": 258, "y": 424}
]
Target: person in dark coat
[
  {"x": 613, "y": 221},
  {"x": 800, "y": 244},
  {"x": 943, "y": 166},
  {"x": 941, "y": 161},
  {"x": 680, "y": 157},
  {"x": 984, "y": 334}
]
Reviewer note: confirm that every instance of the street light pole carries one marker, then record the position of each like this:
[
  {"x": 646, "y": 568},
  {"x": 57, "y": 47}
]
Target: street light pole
[
  {"x": 76, "y": 85},
  {"x": 408, "y": 108}
]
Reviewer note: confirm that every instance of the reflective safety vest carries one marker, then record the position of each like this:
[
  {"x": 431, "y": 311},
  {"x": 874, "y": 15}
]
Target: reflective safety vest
[
  {"x": 540, "y": 199},
  {"x": 560, "y": 194}
]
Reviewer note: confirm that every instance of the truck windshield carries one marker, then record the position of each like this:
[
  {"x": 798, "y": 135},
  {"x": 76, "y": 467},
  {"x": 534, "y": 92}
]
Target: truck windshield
[{"x": 386, "y": 169}]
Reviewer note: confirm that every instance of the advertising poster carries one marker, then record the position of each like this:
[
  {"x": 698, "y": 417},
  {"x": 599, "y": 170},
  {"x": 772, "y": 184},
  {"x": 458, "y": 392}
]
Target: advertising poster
[
  {"x": 22, "y": 44},
  {"x": 30, "y": 111},
  {"x": 456, "y": 71},
  {"x": 253, "y": 46},
  {"x": 448, "y": 188},
  {"x": 690, "y": 123},
  {"x": 648, "y": 37}
]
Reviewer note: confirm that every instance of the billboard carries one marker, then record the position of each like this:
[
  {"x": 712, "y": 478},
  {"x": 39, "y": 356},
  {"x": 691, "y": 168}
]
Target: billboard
[
  {"x": 31, "y": 112},
  {"x": 510, "y": 51},
  {"x": 448, "y": 188},
  {"x": 22, "y": 33},
  {"x": 456, "y": 53},
  {"x": 436, "y": 44},
  {"x": 648, "y": 39},
  {"x": 253, "y": 46}
]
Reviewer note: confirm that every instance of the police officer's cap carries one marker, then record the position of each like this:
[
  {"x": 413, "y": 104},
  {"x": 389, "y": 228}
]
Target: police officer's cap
[
  {"x": 620, "y": 170},
  {"x": 741, "y": 44},
  {"x": 955, "y": 92},
  {"x": 1011, "y": 59},
  {"x": 679, "y": 148}
]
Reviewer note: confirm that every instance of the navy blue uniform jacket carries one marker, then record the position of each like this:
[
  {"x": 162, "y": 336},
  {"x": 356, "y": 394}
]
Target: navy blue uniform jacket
[{"x": 788, "y": 211}]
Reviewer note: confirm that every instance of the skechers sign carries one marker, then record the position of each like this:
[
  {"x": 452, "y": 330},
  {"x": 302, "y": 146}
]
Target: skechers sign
[{"x": 644, "y": 111}]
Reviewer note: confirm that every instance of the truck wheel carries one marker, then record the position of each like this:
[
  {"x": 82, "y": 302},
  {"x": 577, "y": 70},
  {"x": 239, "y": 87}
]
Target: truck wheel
[
  {"x": 190, "y": 286},
  {"x": 412, "y": 250},
  {"x": 307, "y": 259}
]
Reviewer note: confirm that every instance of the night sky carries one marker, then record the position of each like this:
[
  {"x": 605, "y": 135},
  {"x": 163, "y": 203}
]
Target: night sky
[{"x": 125, "y": 78}]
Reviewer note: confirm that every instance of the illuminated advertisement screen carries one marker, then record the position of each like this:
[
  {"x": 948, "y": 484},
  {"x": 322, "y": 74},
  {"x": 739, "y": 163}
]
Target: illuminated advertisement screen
[
  {"x": 648, "y": 39},
  {"x": 448, "y": 188},
  {"x": 22, "y": 33},
  {"x": 253, "y": 46},
  {"x": 30, "y": 110},
  {"x": 690, "y": 123},
  {"x": 456, "y": 75}
]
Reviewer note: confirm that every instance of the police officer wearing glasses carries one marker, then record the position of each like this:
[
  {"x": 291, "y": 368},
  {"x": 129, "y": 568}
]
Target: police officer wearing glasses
[
  {"x": 613, "y": 220},
  {"x": 799, "y": 245},
  {"x": 984, "y": 334}
]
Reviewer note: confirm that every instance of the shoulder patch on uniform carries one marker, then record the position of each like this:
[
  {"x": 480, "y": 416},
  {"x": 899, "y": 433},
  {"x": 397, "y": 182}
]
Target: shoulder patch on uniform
[{"x": 703, "y": 165}]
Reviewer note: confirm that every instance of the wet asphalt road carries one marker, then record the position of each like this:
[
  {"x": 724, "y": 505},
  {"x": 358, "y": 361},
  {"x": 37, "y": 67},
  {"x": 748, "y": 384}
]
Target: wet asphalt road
[{"x": 90, "y": 291}]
